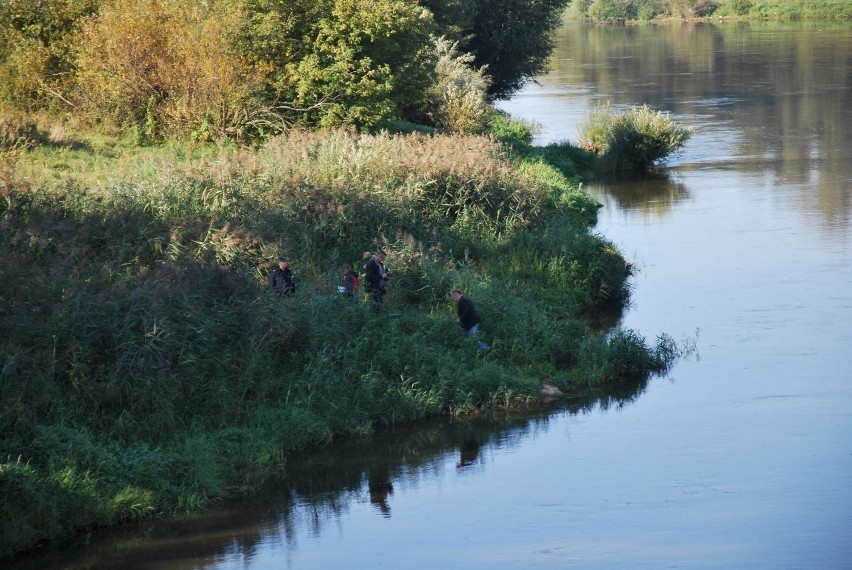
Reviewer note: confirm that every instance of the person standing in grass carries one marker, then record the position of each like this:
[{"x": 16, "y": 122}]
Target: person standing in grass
[
  {"x": 349, "y": 284},
  {"x": 282, "y": 280},
  {"x": 375, "y": 279},
  {"x": 468, "y": 317}
]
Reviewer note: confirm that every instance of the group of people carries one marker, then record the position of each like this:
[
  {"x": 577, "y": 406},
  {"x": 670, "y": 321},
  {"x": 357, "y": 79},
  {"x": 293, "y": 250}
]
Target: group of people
[{"x": 283, "y": 283}]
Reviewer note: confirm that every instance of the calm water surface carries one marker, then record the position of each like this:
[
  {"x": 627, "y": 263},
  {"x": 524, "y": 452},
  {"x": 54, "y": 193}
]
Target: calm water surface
[{"x": 741, "y": 458}]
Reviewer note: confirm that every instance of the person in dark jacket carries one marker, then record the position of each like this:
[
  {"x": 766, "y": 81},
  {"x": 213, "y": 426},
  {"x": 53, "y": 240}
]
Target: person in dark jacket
[
  {"x": 468, "y": 317},
  {"x": 282, "y": 280},
  {"x": 375, "y": 279}
]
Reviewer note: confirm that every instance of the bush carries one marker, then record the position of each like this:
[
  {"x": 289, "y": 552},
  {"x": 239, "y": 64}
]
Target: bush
[
  {"x": 578, "y": 9},
  {"x": 167, "y": 69},
  {"x": 358, "y": 63},
  {"x": 26, "y": 503},
  {"x": 688, "y": 9},
  {"x": 511, "y": 39},
  {"x": 612, "y": 10},
  {"x": 649, "y": 9},
  {"x": 458, "y": 99},
  {"x": 631, "y": 140},
  {"x": 741, "y": 7}
]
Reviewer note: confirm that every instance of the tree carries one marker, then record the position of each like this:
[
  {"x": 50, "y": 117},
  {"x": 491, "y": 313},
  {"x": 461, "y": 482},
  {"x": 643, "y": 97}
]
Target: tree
[
  {"x": 369, "y": 58},
  {"x": 166, "y": 67},
  {"x": 513, "y": 38},
  {"x": 36, "y": 48},
  {"x": 333, "y": 62}
]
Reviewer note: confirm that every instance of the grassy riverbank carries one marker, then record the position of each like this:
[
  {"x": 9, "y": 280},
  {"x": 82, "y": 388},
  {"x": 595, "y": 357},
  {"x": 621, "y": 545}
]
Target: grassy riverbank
[
  {"x": 146, "y": 369},
  {"x": 838, "y": 10},
  {"x": 647, "y": 10}
]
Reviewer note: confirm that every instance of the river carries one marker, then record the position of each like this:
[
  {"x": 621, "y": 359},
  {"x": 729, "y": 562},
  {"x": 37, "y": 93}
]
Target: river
[{"x": 740, "y": 458}]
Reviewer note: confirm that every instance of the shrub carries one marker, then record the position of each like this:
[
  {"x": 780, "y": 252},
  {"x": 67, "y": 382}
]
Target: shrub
[
  {"x": 511, "y": 39},
  {"x": 631, "y": 140},
  {"x": 612, "y": 10},
  {"x": 650, "y": 9},
  {"x": 24, "y": 65},
  {"x": 621, "y": 361},
  {"x": 578, "y": 9},
  {"x": 27, "y": 504},
  {"x": 692, "y": 8},
  {"x": 362, "y": 62},
  {"x": 166, "y": 68},
  {"x": 741, "y": 7},
  {"x": 251, "y": 68},
  {"x": 459, "y": 97}
]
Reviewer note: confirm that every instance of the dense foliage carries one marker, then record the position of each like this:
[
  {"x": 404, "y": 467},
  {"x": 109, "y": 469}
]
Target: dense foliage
[
  {"x": 512, "y": 39},
  {"x": 630, "y": 140},
  {"x": 250, "y": 68}
]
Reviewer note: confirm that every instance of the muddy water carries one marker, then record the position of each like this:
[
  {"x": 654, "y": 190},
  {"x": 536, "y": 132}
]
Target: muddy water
[{"x": 741, "y": 458}]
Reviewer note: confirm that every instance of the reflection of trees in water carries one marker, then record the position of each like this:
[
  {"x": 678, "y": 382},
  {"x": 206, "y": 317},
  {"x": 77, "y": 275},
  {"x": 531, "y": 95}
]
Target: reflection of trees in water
[
  {"x": 784, "y": 88},
  {"x": 370, "y": 468},
  {"x": 653, "y": 195},
  {"x": 318, "y": 488}
]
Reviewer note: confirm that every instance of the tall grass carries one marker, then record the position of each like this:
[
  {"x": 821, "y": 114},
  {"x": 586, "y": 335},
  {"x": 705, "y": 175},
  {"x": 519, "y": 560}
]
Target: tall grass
[{"x": 145, "y": 367}]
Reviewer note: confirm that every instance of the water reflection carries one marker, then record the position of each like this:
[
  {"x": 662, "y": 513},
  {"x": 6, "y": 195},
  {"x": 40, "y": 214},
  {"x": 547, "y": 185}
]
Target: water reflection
[
  {"x": 652, "y": 197},
  {"x": 468, "y": 454},
  {"x": 318, "y": 488},
  {"x": 766, "y": 99}
]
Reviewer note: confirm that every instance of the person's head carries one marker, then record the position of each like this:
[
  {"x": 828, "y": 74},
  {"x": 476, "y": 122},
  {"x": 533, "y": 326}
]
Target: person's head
[
  {"x": 457, "y": 295},
  {"x": 381, "y": 255},
  {"x": 283, "y": 262},
  {"x": 345, "y": 268}
]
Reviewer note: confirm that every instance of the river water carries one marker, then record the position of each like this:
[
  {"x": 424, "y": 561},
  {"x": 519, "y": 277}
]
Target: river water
[{"x": 740, "y": 458}]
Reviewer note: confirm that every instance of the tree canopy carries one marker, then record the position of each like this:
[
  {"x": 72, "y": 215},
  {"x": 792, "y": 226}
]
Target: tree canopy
[
  {"x": 512, "y": 38},
  {"x": 246, "y": 67}
]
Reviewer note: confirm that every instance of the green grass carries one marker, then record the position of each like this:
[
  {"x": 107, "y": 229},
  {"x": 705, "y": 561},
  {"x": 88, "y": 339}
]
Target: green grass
[
  {"x": 145, "y": 368},
  {"x": 610, "y": 11}
]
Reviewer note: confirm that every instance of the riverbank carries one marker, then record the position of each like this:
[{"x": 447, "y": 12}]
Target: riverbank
[
  {"x": 148, "y": 370},
  {"x": 609, "y": 11}
]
